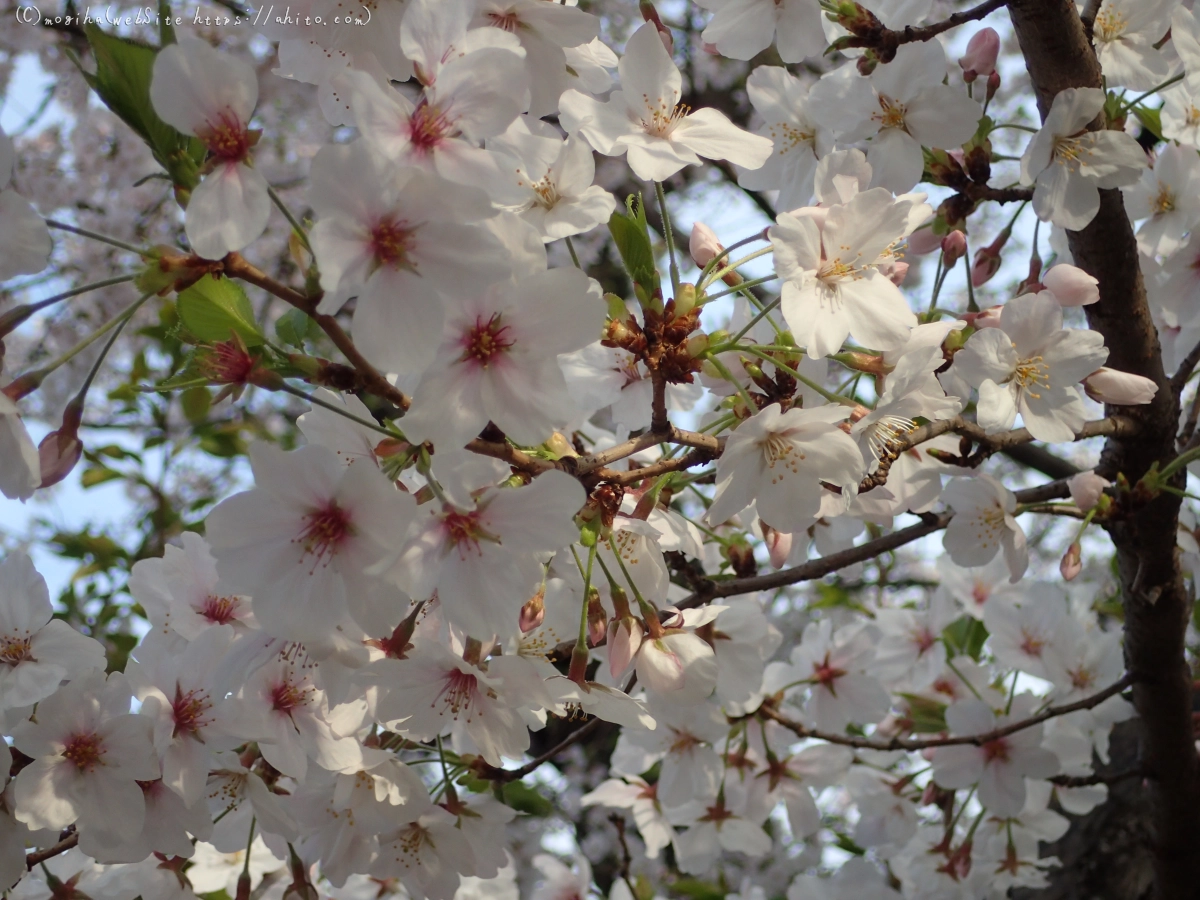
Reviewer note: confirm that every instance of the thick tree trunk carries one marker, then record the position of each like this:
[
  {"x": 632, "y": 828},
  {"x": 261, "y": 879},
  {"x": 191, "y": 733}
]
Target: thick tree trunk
[{"x": 1157, "y": 604}]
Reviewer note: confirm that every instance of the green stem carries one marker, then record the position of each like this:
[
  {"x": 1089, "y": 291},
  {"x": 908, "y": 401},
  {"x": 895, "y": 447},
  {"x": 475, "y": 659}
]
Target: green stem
[
  {"x": 19, "y": 314},
  {"x": 334, "y": 408},
  {"x": 972, "y": 306},
  {"x": 121, "y": 321},
  {"x": 728, "y": 376},
  {"x": 828, "y": 395},
  {"x": 1140, "y": 97},
  {"x": 292, "y": 220},
  {"x": 669, "y": 235},
  {"x": 581, "y": 641},
  {"x": 733, "y": 266},
  {"x": 744, "y": 286},
  {"x": 571, "y": 250},
  {"x": 716, "y": 260},
  {"x": 104, "y": 329},
  {"x": 95, "y": 236},
  {"x": 758, "y": 318}
]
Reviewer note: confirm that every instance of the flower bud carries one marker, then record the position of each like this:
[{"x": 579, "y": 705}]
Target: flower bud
[
  {"x": 923, "y": 241},
  {"x": 988, "y": 318},
  {"x": 650, "y": 14},
  {"x": 1071, "y": 286},
  {"x": 685, "y": 300},
  {"x": 954, "y": 247},
  {"x": 980, "y": 58},
  {"x": 985, "y": 266},
  {"x": 703, "y": 245},
  {"x": 779, "y": 544},
  {"x": 533, "y": 612},
  {"x": 898, "y": 273},
  {"x": 1072, "y": 562},
  {"x": 624, "y": 640},
  {"x": 597, "y": 618},
  {"x": 559, "y": 446},
  {"x": 60, "y": 450},
  {"x": 697, "y": 345},
  {"x": 993, "y": 85},
  {"x": 1119, "y": 388},
  {"x": 1086, "y": 489}
]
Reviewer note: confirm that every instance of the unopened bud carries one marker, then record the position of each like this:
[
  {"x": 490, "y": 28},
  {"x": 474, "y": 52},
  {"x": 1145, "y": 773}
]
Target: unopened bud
[
  {"x": 61, "y": 449},
  {"x": 779, "y": 544},
  {"x": 954, "y": 247},
  {"x": 559, "y": 446},
  {"x": 923, "y": 241},
  {"x": 616, "y": 307},
  {"x": 898, "y": 273},
  {"x": 533, "y": 612},
  {"x": 1086, "y": 489},
  {"x": 863, "y": 362},
  {"x": 703, "y": 245},
  {"x": 624, "y": 640},
  {"x": 597, "y": 618},
  {"x": 993, "y": 85},
  {"x": 985, "y": 266},
  {"x": 697, "y": 345},
  {"x": 1107, "y": 385},
  {"x": 1071, "y": 286},
  {"x": 982, "y": 51},
  {"x": 650, "y": 14},
  {"x": 685, "y": 300},
  {"x": 1072, "y": 562},
  {"x": 741, "y": 558}
]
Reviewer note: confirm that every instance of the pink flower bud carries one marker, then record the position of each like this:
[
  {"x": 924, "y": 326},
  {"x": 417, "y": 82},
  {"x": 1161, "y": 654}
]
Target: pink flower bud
[
  {"x": 898, "y": 272},
  {"x": 60, "y": 450},
  {"x": 923, "y": 241},
  {"x": 1071, "y": 286},
  {"x": 1086, "y": 489},
  {"x": 985, "y": 266},
  {"x": 1071, "y": 563},
  {"x": 980, "y": 58},
  {"x": 704, "y": 245},
  {"x": 988, "y": 318},
  {"x": 779, "y": 545},
  {"x": 954, "y": 247},
  {"x": 711, "y": 49},
  {"x": 993, "y": 85},
  {"x": 624, "y": 641},
  {"x": 1119, "y": 388},
  {"x": 533, "y": 612}
]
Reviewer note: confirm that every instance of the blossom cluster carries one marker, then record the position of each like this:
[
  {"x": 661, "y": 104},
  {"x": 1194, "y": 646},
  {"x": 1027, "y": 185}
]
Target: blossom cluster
[{"x": 345, "y": 663}]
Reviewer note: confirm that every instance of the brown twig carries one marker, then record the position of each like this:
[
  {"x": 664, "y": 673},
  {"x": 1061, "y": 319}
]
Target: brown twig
[
  {"x": 976, "y": 740},
  {"x": 1184, "y": 372},
  {"x": 236, "y": 266},
  {"x": 504, "y": 776},
  {"x": 884, "y": 41},
  {"x": 37, "y": 857},
  {"x": 1097, "y": 778}
]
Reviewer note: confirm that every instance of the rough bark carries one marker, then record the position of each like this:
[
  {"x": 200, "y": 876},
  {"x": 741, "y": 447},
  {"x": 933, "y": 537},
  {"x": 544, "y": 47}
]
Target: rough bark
[{"x": 1157, "y": 604}]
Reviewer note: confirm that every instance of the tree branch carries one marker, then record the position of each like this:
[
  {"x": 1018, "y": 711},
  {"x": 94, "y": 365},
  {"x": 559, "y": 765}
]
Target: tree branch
[
  {"x": 977, "y": 740},
  {"x": 237, "y": 267},
  {"x": 1184, "y": 372},
  {"x": 37, "y": 857},
  {"x": 884, "y": 41},
  {"x": 504, "y": 776}
]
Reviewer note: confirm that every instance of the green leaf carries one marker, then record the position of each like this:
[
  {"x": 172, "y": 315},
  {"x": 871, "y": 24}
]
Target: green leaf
[
  {"x": 294, "y": 327},
  {"x": 523, "y": 798},
  {"x": 196, "y": 402},
  {"x": 697, "y": 889},
  {"x": 631, "y": 234},
  {"x": 1151, "y": 119},
  {"x": 966, "y": 635},
  {"x": 214, "y": 309},
  {"x": 927, "y": 716},
  {"x": 122, "y": 80},
  {"x": 94, "y": 475},
  {"x": 845, "y": 842}
]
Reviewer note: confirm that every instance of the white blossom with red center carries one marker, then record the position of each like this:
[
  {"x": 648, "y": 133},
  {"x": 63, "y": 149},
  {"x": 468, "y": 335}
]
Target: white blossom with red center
[
  {"x": 282, "y": 709},
  {"x": 203, "y": 92},
  {"x": 433, "y": 692},
  {"x": 999, "y": 766},
  {"x": 89, "y": 753},
  {"x": 302, "y": 540},
  {"x": 484, "y": 563},
  {"x": 498, "y": 360},
  {"x": 641, "y": 799},
  {"x": 37, "y": 652},
  {"x": 394, "y": 238},
  {"x": 1022, "y": 631}
]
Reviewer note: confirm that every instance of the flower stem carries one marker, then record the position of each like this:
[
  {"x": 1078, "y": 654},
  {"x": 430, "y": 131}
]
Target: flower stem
[
  {"x": 728, "y": 376},
  {"x": 669, "y": 235},
  {"x": 571, "y": 250},
  {"x": 95, "y": 236},
  {"x": 744, "y": 286},
  {"x": 15, "y": 316},
  {"x": 721, "y": 273},
  {"x": 292, "y": 220},
  {"x": 334, "y": 408}
]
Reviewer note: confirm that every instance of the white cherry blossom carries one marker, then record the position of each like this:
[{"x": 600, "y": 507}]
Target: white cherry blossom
[
  {"x": 646, "y": 120},
  {"x": 983, "y": 524},
  {"x": 741, "y": 29}
]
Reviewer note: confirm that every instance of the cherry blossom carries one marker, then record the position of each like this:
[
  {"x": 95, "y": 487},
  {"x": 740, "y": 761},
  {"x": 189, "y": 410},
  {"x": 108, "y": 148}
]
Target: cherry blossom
[
  {"x": 204, "y": 92},
  {"x": 1126, "y": 34},
  {"x": 741, "y": 29},
  {"x": 646, "y": 120},
  {"x": 1068, "y": 165},
  {"x": 20, "y": 469},
  {"x": 983, "y": 525}
]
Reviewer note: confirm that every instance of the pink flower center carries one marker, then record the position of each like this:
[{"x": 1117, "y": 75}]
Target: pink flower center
[
  {"x": 189, "y": 710},
  {"x": 85, "y": 751},
  {"x": 485, "y": 340},
  {"x": 325, "y": 530},
  {"x": 826, "y": 673},
  {"x": 428, "y": 127},
  {"x": 924, "y": 640},
  {"x": 391, "y": 242},
  {"x": 287, "y": 696},
  {"x": 464, "y": 531},
  {"x": 1031, "y": 644},
  {"x": 508, "y": 21},
  {"x": 995, "y": 751},
  {"x": 219, "y": 610},
  {"x": 227, "y": 139},
  {"x": 456, "y": 692}
]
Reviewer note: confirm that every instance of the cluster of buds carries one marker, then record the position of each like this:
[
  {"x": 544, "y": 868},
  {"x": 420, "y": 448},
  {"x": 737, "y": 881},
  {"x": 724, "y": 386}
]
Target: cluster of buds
[{"x": 665, "y": 341}]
